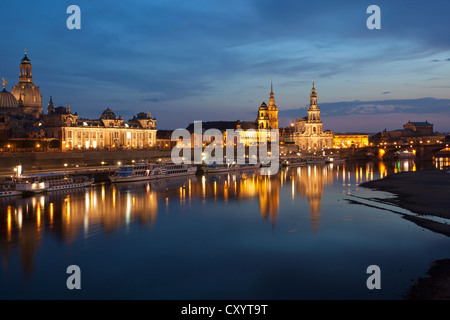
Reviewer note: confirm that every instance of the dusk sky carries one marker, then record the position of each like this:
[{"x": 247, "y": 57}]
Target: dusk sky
[{"x": 214, "y": 59}]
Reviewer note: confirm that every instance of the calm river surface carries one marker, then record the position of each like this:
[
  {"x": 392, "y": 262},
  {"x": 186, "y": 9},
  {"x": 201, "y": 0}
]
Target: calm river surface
[{"x": 229, "y": 236}]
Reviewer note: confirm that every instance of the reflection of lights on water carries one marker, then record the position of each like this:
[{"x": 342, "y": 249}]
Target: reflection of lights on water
[
  {"x": 190, "y": 189},
  {"x": 38, "y": 216},
  {"x": 19, "y": 217},
  {"x": 9, "y": 223},
  {"x": 203, "y": 186},
  {"x": 293, "y": 189},
  {"x": 67, "y": 200},
  {"x": 51, "y": 213},
  {"x": 93, "y": 200},
  {"x": 128, "y": 210},
  {"x": 343, "y": 176},
  {"x": 114, "y": 197},
  {"x": 103, "y": 193},
  {"x": 86, "y": 201}
]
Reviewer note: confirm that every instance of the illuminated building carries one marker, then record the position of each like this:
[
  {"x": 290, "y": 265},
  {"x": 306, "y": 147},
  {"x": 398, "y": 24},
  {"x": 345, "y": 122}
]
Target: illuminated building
[
  {"x": 26, "y": 92},
  {"x": 412, "y": 133},
  {"x": 309, "y": 135},
  {"x": 350, "y": 140},
  {"x": 108, "y": 132},
  {"x": 250, "y": 131},
  {"x": 268, "y": 115}
]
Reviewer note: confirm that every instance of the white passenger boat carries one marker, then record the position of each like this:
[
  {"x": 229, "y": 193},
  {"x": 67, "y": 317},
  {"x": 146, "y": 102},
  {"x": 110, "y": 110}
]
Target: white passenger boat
[
  {"x": 335, "y": 159},
  {"x": 8, "y": 189},
  {"x": 150, "y": 171},
  {"x": 225, "y": 167},
  {"x": 219, "y": 167},
  {"x": 315, "y": 161},
  {"x": 292, "y": 162},
  {"x": 48, "y": 182}
]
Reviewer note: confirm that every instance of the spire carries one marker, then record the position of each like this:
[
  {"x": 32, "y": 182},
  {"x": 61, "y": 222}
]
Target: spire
[
  {"x": 271, "y": 86},
  {"x": 4, "y": 83}
]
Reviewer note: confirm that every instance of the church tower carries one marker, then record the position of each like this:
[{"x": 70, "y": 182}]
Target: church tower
[
  {"x": 263, "y": 116},
  {"x": 272, "y": 110},
  {"x": 27, "y": 91},
  {"x": 313, "y": 124}
]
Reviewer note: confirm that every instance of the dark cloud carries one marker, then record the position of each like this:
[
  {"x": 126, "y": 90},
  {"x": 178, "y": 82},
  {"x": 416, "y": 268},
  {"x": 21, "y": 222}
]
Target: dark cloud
[
  {"x": 205, "y": 56},
  {"x": 348, "y": 108}
]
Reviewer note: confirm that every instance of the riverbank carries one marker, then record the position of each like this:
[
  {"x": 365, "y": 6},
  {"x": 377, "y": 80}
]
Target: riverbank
[{"x": 424, "y": 192}]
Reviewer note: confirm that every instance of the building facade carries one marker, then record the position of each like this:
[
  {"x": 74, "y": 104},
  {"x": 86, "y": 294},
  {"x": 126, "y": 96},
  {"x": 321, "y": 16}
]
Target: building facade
[
  {"x": 343, "y": 140},
  {"x": 412, "y": 133},
  {"x": 107, "y": 132},
  {"x": 309, "y": 134},
  {"x": 268, "y": 115},
  {"x": 22, "y": 118}
]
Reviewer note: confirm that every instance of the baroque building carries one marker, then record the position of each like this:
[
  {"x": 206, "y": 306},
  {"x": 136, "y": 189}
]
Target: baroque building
[
  {"x": 413, "y": 133},
  {"x": 26, "y": 92},
  {"x": 107, "y": 132},
  {"x": 268, "y": 115},
  {"x": 22, "y": 117},
  {"x": 309, "y": 134}
]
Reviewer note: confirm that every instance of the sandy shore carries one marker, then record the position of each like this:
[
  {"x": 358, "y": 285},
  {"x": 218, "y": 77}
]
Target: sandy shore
[{"x": 424, "y": 192}]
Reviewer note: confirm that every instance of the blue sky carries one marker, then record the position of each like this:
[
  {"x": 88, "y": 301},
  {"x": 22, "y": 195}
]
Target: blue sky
[{"x": 213, "y": 59}]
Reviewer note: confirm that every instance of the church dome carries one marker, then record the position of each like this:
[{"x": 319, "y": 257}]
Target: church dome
[
  {"x": 7, "y": 100},
  {"x": 263, "y": 106},
  {"x": 25, "y": 59},
  {"x": 108, "y": 114}
]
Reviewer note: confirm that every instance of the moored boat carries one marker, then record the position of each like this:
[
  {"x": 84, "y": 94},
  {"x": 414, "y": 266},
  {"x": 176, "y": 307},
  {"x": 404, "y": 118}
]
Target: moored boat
[
  {"x": 217, "y": 168},
  {"x": 8, "y": 189},
  {"x": 48, "y": 182},
  {"x": 334, "y": 159},
  {"x": 150, "y": 171},
  {"x": 292, "y": 162},
  {"x": 404, "y": 155}
]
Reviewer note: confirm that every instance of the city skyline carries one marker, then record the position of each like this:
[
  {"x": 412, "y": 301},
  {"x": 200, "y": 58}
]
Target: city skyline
[{"x": 215, "y": 60}]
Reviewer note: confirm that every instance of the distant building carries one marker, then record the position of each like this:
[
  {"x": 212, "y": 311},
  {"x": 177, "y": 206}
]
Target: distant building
[
  {"x": 309, "y": 135},
  {"x": 347, "y": 140},
  {"x": 268, "y": 115},
  {"x": 163, "y": 139},
  {"x": 250, "y": 131},
  {"x": 412, "y": 133}
]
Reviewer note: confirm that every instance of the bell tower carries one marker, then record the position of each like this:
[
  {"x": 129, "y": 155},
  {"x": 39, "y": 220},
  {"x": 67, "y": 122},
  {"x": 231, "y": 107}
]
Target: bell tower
[
  {"x": 272, "y": 109},
  {"x": 27, "y": 91},
  {"x": 313, "y": 124},
  {"x": 25, "y": 70}
]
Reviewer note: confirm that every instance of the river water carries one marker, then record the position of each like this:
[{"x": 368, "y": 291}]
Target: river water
[{"x": 293, "y": 235}]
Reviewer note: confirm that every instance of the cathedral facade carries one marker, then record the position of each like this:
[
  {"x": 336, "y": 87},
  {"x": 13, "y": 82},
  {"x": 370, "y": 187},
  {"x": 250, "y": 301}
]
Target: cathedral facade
[{"x": 309, "y": 135}]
